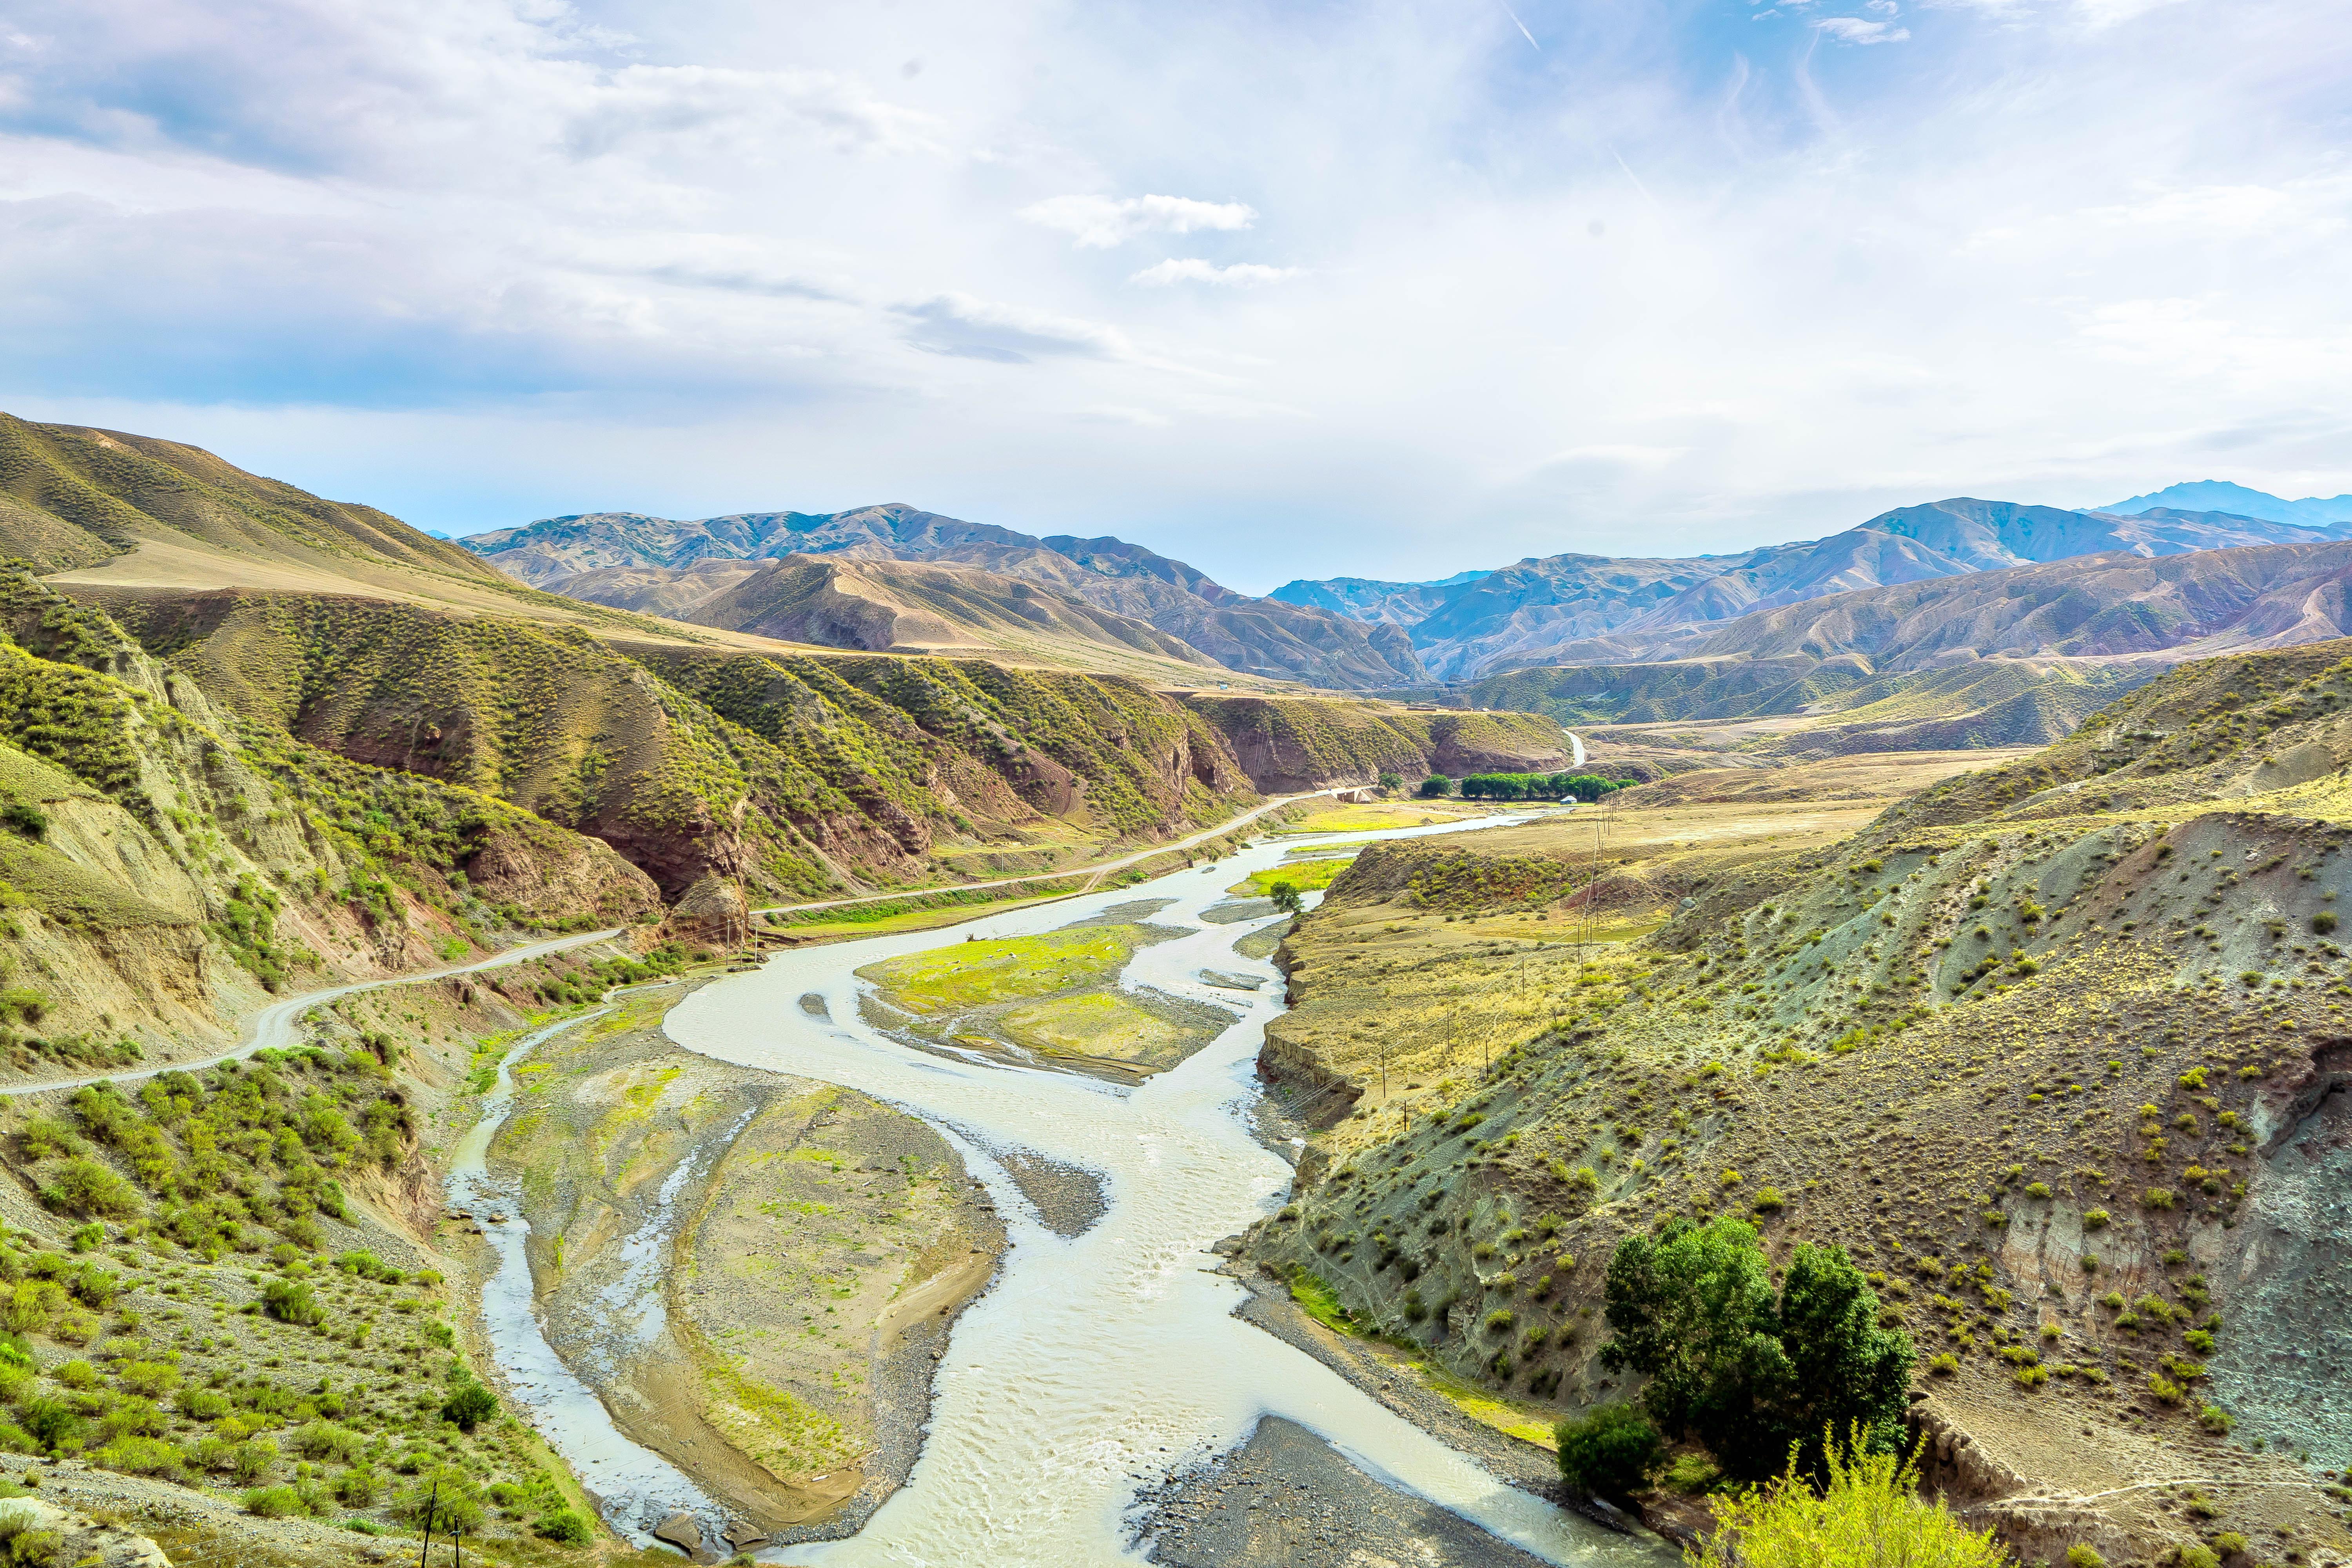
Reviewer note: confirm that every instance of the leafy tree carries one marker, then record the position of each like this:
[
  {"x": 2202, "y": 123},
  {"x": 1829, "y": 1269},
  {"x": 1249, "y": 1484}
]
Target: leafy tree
[
  {"x": 1436, "y": 786},
  {"x": 1751, "y": 1374},
  {"x": 1608, "y": 1450},
  {"x": 1285, "y": 896},
  {"x": 1390, "y": 782},
  {"x": 1868, "y": 1512}
]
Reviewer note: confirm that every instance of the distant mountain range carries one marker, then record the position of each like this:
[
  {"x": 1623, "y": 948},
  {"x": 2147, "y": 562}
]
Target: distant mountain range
[
  {"x": 1104, "y": 591},
  {"x": 896, "y": 577},
  {"x": 2220, "y": 495},
  {"x": 1545, "y": 610}
]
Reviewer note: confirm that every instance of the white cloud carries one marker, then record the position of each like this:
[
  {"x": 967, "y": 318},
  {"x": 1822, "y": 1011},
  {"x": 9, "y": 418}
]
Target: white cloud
[
  {"x": 1192, "y": 269},
  {"x": 1856, "y": 30},
  {"x": 1102, "y": 222},
  {"x": 690, "y": 260},
  {"x": 964, "y": 328}
]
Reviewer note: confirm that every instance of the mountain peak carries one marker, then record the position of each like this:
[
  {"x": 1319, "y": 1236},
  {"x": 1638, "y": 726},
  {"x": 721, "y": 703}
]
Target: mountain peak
[{"x": 2225, "y": 495}]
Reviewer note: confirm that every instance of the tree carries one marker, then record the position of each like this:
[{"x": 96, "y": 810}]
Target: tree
[
  {"x": 1285, "y": 896},
  {"x": 1436, "y": 786},
  {"x": 1390, "y": 782},
  {"x": 1867, "y": 1512},
  {"x": 1750, "y": 1374},
  {"x": 1609, "y": 1451}
]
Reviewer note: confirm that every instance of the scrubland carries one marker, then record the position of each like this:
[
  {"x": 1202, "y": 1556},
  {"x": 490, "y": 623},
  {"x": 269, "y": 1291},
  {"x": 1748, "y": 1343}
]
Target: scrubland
[{"x": 2046, "y": 1046}]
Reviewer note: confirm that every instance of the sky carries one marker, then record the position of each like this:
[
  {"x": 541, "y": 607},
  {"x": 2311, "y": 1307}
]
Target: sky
[{"x": 1389, "y": 288}]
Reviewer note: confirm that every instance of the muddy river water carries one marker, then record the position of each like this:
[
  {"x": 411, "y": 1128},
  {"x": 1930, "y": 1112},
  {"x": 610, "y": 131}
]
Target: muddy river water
[{"x": 1096, "y": 1364}]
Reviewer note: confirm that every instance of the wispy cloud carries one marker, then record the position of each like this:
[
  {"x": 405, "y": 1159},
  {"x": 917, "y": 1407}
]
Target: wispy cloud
[
  {"x": 1860, "y": 30},
  {"x": 709, "y": 258},
  {"x": 1192, "y": 269},
  {"x": 1103, "y": 222},
  {"x": 964, "y": 328}
]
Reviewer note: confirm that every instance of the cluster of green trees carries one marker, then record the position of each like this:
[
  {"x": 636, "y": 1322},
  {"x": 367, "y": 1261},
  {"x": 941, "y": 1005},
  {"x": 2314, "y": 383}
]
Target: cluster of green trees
[
  {"x": 1753, "y": 1373},
  {"x": 1537, "y": 786},
  {"x": 1798, "y": 1385},
  {"x": 1522, "y": 786}
]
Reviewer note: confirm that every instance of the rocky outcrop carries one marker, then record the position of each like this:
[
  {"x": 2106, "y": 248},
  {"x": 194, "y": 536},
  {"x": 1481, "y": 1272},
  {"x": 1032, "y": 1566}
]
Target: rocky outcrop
[
  {"x": 713, "y": 913},
  {"x": 40, "y": 1531}
]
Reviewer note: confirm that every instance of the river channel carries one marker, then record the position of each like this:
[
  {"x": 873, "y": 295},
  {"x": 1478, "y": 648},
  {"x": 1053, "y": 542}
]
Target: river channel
[{"x": 1098, "y": 1364}]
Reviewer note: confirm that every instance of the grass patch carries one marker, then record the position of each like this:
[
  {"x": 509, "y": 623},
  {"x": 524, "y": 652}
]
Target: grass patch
[
  {"x": 1306, "y": 876},
  {"x": 1005, "y": 969},
  {"x": 1311, "y": 1291},
  {"x": 1100, "y": 1023},
  {"x": 1369, "y": 818}
]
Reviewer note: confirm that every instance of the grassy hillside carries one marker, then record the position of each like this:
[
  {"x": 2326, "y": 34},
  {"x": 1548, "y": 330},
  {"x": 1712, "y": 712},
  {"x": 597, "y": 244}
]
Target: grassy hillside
[
  {"x": 1865, "y": 709},
  {"x": 795, "y": 775},
  {"x": 164, "y": 865},
  {"x": 2047, "y": 1047},
  {"x": 877, "y": 605},
  {"x": 225, "y": 1293},
  {"x": 75, "y": 496}
]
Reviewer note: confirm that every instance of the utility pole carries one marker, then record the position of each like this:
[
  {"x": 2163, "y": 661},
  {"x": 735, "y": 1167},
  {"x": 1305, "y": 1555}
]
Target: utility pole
[{"x": 432, "y": 1507}]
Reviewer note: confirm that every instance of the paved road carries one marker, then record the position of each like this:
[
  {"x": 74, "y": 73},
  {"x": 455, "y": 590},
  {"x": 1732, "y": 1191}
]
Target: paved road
[
  {"x": 273, "y": 1027},
  {"x": 1093, "y": 878}
]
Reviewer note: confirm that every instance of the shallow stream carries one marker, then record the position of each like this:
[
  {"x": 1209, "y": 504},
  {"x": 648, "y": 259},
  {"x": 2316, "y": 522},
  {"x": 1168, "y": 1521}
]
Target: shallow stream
[{"x": 1098, "y": 1362}]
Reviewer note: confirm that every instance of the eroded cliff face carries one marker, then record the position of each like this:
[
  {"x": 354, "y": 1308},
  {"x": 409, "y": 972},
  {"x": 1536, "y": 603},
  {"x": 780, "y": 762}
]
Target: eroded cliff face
[{"x": 1287, "y": 744}]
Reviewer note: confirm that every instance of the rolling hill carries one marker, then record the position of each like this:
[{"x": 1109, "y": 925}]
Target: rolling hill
[{"x": 1262, "y": 637}]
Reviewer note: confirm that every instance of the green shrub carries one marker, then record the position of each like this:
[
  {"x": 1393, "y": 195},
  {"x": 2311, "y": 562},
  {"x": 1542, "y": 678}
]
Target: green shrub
[
  {"x": 86, "y": 1187},
  {"x": 469, "y": 1404},
  {"x": 1609, "y": 1451},
  {"x": 21, "y": 1540},
  {"x": 2080, "y": 1556},
  {"x": 50, "y": 1421},
  {"x": 138, "y": 1456},
  {"x": 45, "y": 1138},
  {"x": 291, "y": 1301},
  {"x": 148, "y": 1379},
  {"x": 2196, "y": 1557},
  {"x": 251, "y": 1459},
  {"x": 357, "y": 1487},
  {"x": 1867, "y": 1513},
  {"x": 203, "y": 1403},
  {"x": 325, "y": 1440},
  {"x": 566, "y": 1527},
  {"x": 274, "y": 1502}
]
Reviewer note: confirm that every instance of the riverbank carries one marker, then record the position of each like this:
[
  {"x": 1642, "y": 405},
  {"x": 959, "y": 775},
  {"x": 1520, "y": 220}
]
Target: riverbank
[{"x": 1286, "y": 1498}]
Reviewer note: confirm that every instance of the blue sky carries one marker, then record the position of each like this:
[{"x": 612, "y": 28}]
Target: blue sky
[{"x": 1385, "y": 290}]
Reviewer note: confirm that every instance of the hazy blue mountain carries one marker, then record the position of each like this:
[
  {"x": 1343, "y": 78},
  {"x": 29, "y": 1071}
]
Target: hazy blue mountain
[
  {"x": 2220, "y": 495},
  {"x": 1369, "y": 599}
]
